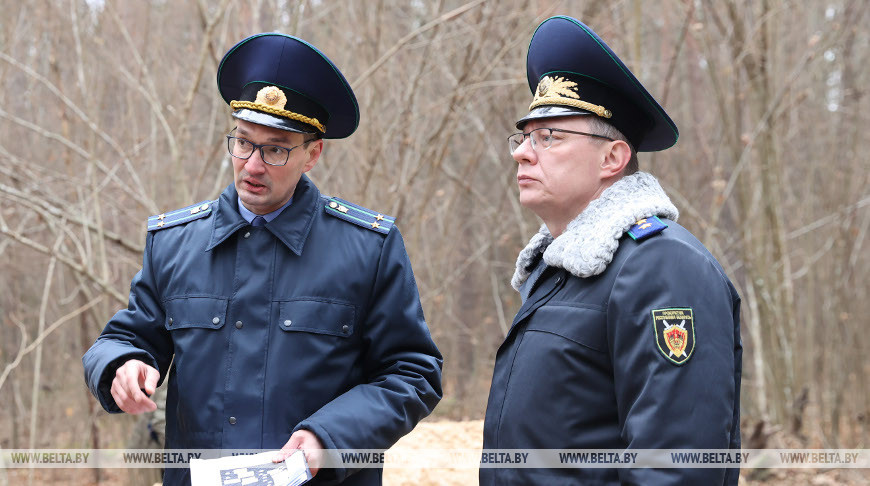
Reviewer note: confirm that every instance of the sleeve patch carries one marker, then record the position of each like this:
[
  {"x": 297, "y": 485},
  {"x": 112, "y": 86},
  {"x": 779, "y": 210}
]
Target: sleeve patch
[
  {"x": 646, "y": 227},
  {"x": 180, "y": 216},
  {"x": 359, "y": 215},
  {"x": 674, "y": 330}
]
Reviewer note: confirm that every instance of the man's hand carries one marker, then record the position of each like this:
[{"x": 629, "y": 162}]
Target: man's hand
[
  {"x": 310, "y": 445},
  {"x": 130, "y": 379}
]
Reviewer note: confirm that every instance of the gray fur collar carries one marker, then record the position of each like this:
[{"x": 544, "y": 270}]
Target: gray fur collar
[{"x": 590, "y": 240}]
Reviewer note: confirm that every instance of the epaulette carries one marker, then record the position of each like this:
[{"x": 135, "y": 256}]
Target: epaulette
[
  {"x": 359, "y": 215},
  {"x": 179, "y": 216},
  {"x": 645, "y": 228}
]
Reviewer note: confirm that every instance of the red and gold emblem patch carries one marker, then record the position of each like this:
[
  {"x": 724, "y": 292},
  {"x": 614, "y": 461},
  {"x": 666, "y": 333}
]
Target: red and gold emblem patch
[{"x": 675, "y": 333}]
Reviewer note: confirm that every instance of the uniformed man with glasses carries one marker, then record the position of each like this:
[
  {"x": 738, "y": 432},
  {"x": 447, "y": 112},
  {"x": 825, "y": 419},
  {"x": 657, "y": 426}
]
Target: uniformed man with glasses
[
  {"x": 628, "y": 337},
  {"x": 291, "y": 319}
]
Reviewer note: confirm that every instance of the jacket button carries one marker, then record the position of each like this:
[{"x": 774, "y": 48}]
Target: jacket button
[
  {"x": 247, "y": 234},
  {"x": 232, "y": 421},
  {"x": 559, "y": 280},
  {"x": 238, "y": 324},
  {"x": 170, "y": 321},
  {"x": 216, "y": 320},
  {"x": 287, "y": 323},
  {"x": 344, "y": 328}
]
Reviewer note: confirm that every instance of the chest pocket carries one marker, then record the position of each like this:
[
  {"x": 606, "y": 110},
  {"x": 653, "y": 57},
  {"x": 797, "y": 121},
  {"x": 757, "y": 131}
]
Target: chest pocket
[
  {"x": 583, "y": 325},
  {"x": 318, "y": 316},
  {"x": 195, "y": 312}
]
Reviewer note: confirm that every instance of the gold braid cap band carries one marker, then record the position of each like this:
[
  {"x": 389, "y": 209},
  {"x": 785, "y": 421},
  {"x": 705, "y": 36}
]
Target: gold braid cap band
[
  {"x": 279, "y": 112},
  {"x": 583, "y": 105}
]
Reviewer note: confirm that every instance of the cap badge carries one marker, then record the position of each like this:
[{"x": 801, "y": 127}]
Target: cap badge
[
  {"x": 560, "y": 91},
  {"x": 271, "y": 96},
  {"x": 543, "y": 86}
]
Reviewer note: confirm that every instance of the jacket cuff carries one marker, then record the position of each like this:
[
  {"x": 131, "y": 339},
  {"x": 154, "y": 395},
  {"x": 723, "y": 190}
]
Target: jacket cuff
[{"x": 100, "y": 368}]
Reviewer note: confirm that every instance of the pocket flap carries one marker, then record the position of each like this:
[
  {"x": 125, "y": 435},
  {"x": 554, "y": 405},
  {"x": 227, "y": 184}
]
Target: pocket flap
[
  {"x": 318, "y": 316},
  {"x": 189, "y": 312},
  {"x": 583, "y": 325}
]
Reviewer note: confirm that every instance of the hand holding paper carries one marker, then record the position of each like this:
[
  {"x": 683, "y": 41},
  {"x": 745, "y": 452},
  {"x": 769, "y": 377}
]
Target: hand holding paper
[{"x": 307, "y": 442}]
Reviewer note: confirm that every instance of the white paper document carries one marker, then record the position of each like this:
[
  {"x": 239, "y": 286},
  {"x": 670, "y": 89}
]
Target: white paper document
[{"x": 250, "y": 470}]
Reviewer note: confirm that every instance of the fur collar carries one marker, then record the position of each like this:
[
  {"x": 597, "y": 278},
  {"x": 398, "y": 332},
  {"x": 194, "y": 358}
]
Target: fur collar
[{"x": 590, "y": 240}]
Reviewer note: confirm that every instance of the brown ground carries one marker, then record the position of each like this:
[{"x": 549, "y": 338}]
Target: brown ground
[
  {"x": 438, "y": 435},
  {"x": 449, "y": 435},
  {"x": 462, "y": 435}
]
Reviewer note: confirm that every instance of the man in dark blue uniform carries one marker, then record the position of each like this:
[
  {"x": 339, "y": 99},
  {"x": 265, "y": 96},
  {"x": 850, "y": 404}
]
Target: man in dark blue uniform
[
  {"x": 292, "y": 320},
  {"x": 628, "y": 336}
]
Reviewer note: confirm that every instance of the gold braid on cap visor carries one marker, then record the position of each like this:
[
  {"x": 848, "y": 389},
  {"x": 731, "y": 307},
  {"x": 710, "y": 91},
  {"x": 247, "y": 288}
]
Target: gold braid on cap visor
[
  {"x": 559, "y": 91},
  {"x": 279, "y": 112}
]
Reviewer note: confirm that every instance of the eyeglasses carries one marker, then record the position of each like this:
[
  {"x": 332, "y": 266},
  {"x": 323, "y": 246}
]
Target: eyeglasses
[
  {"x": 543, "y": 138},
  {"x": 271, "y": 154}
]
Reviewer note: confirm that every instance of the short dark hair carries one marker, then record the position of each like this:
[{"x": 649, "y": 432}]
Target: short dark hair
[{"x": 601, "y": 127}]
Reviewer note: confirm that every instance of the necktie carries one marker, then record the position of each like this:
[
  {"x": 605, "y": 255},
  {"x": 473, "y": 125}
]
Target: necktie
[{"x": 258, "y": 221}]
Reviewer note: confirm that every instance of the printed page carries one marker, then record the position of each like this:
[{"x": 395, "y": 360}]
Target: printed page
[{"x": 250, "y": 470}]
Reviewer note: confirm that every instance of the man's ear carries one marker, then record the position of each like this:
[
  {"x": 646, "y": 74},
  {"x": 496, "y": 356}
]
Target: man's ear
[
  {"x": 315, "y": 148},
  {"x": 616, "y": 156}
]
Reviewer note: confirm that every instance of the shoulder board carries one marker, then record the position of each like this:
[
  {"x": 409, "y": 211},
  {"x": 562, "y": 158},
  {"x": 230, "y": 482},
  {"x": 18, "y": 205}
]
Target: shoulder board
[
  {"x": 358, "y": 215},
  {"x": 645, "y": 228},
  {"x": 180, "y": 216}
]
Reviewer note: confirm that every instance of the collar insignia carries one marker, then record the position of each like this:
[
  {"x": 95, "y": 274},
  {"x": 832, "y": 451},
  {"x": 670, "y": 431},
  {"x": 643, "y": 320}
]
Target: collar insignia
[{"x": 645, "y": 228}]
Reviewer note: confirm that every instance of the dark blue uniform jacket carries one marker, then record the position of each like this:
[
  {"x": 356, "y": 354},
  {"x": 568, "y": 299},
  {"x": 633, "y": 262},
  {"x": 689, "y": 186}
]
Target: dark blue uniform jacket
[
  {"x": 310, "y": 322},
  {"x": 580, "y": 367}
]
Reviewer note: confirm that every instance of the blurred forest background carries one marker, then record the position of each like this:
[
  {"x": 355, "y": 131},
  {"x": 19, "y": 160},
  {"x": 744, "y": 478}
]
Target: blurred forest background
[{"x": 109, "y": 113}]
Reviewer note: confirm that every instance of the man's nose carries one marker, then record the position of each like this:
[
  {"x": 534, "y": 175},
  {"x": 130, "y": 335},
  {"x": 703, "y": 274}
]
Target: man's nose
[
  {"x": 525, "y": 152},
  {"x": 255, "y": 164}
]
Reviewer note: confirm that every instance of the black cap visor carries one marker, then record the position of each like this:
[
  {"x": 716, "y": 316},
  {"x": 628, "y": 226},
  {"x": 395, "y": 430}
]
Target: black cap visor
[
  {"x": 268, "y": 120},
  {"x": 551, "y": 112}
]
